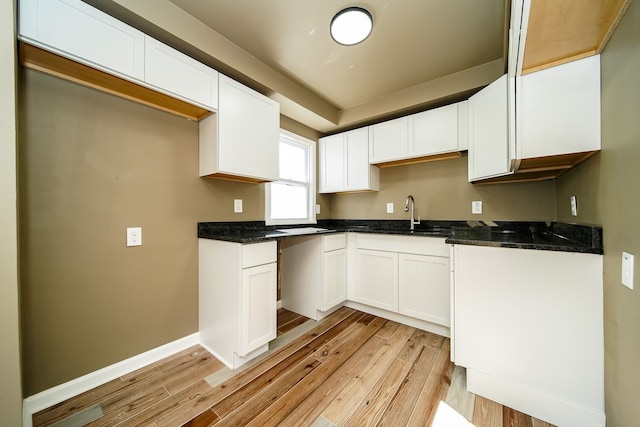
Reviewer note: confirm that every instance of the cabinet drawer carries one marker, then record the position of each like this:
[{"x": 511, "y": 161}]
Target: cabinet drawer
[
  {"x": 258, "y": 254},
  {"x": 333, "y": 242},
  {"x": 434, "y": 246}
]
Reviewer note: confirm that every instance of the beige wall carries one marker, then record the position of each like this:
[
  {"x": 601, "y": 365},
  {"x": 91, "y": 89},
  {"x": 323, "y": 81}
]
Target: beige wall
[
  {"x": 441, "y": 192},
  {"x": 10, "y": 386},
  {"x": 607, "y": 190},
  {"x": 92, "y": 164}
]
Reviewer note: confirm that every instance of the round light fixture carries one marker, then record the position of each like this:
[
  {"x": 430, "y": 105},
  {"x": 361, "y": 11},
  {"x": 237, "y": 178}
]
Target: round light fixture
[{"x": 351, "y": 25}]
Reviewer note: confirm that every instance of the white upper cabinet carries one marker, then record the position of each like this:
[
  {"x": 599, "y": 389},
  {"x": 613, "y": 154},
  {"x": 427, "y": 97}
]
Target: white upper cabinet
[
  {"x": 344, "y": 163},
  {"x": 388, "y": 141},
  {"x": 559, "y": 109},
  {"x": 241, "y": 141},
  {"x": 547, "y": 120},
  {"x": 432, "y": 132},
  {"x": 180, "y": 75},
  {"x": 489, "y": 132},
  {"x": 80, "y": 32}
]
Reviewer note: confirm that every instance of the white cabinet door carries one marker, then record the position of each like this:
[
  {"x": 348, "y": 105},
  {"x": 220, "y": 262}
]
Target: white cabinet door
[
  {"x": 358, "y": 168},
  {"x": 258, "y": 307},
  {"x": 248, "y": 132},
  {"x": 560, "y": 109},
  {"x": 332, "y": 164},
  {"x": 177, "y": 74},
  {"x": 377, "y": 279},
  {"x": 334, "y": 278},
  {"x": 423, "y": 288},
  {"x": 344, "y": 163},
  {"x": 388, "y": 141},
  {"x": 80, "y": 32},
  {"x": 489, "y": 132},
  {"x": 434, "y": 131}
]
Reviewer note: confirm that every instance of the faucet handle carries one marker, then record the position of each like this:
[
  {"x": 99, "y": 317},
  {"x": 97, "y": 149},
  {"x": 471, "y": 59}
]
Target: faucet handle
[{"x": 418, "y": 221}]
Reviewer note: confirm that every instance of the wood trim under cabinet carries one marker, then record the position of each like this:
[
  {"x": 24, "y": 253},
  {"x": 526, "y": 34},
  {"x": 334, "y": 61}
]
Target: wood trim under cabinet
[
  {"x": 424, "y": 159},
  {"x": 56, "y": 65},
  {"x": 235, "y": 178},
  {"x": 541, "y": 168}
]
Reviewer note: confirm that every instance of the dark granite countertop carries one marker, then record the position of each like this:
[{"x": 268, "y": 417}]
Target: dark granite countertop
[{"x": 550, "y": 236}]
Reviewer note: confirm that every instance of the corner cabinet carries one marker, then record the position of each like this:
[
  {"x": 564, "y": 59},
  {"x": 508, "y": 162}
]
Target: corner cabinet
[
  {"x": 313, "y": 274},
  {"x": 240, "y": 143},
  {"x": 344, "y": 163},
  {"x": 237, "y": 299}
]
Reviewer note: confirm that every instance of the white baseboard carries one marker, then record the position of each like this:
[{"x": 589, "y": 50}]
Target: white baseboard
[
  {"x": 536, "y": 403},
  {"x": 62, "y": 392}
]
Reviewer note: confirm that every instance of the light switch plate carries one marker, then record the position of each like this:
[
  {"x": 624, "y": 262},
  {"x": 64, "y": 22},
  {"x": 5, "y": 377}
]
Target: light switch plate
[
  {"x": 317, "y": 209},
  {"x": 389, "y": 207},
  {"x": 476, "y": 207},
  {"x": 574, "y": 206},
  {"x": 627, "y": 270},
  {"x": 237, "y": 206},
  {"x": 134, "y": 236}
]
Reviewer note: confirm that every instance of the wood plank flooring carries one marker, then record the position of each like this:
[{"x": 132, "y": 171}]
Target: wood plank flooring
[{"x": 351, "y": 369}]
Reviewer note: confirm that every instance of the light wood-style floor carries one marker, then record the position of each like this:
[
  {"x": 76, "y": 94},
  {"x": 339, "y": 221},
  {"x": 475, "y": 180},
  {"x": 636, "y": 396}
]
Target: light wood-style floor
[{"x": 351, "y": 369}]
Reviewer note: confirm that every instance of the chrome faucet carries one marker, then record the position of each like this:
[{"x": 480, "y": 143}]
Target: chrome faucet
[{"x": 413, "y": 210}]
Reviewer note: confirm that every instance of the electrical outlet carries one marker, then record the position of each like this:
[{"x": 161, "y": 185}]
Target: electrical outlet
[
  {"x": 627, "y": 270},
  {"x": 389, "y": 207},
  {"x": 237, "y": 206},
  {"x": 574, "y": 206},
  {"x": 317, "y": 209},
  {"x": 476, "y": 207},
  {"x": 134, "y": 236}
]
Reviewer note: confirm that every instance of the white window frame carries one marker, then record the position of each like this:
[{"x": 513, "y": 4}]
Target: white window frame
[{"x": 311, "y": 170}]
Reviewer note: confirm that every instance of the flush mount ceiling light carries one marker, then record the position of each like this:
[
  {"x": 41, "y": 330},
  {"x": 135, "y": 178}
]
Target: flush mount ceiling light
[{"x": 351, "y": 26}]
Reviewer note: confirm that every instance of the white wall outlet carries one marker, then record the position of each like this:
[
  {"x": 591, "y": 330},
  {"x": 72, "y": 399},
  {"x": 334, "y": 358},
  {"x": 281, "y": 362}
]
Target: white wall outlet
[
  {"x": 317, "y": 209},
  {"x": 574, "y": 206},
  {"x": 389, "y": 207},
  {"x": 476, "y": 207},
  {"x": 237, "y": 206},
  {"x": 134, "y": 236},
  {"x": 627, "y": 270}
]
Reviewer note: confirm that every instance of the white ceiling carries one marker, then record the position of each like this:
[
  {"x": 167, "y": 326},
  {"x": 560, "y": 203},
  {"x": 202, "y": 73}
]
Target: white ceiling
[
  {"x": 421, "y": 53},
  {"x": 413, "y": 41}
]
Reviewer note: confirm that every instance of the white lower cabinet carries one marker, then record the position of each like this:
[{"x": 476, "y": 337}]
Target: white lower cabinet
[
  {"x": 423, "y": 288},
  {"x": 377, "y": 279},
  {"x": 237, "y": 299},
  {"x": 528, "y": 326},
  {"x": 405, "y": 275},
  {"x": 258, "y": 291},
  {"x": 313, "y": 274}
]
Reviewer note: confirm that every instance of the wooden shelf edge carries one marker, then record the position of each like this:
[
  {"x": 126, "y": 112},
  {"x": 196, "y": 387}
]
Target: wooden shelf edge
[
  {"x": 541, "y": 168},
  {"x": 415, "y": 160},
  {"x": 235, "y": 178},
  {"x": 41, "y": 60}
]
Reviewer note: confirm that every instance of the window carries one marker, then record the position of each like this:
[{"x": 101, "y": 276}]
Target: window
[{"x": 291, "y": 199}]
